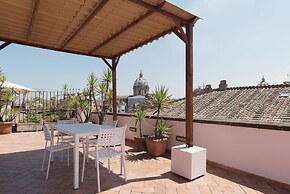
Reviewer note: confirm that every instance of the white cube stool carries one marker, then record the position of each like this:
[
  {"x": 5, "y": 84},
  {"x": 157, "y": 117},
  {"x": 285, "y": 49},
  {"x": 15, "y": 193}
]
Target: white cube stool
[{"x": 189, "y": 162}]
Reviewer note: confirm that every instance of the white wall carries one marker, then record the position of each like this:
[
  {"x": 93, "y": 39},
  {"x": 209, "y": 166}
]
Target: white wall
[{"x": 262, "y": 152}]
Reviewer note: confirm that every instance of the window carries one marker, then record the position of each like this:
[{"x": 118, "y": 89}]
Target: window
[{"x": 285, "y": 94}]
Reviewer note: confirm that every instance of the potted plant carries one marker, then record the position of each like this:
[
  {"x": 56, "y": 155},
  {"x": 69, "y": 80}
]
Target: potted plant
[
  {"x": 7, "y": 112},
  {"x": 139, "y": 116},
  {"x": 158, "y": 100},
  {"x": 100, "y": 93}
]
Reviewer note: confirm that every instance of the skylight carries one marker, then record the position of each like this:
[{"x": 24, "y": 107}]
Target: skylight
[{"x": 285, "y": 94}]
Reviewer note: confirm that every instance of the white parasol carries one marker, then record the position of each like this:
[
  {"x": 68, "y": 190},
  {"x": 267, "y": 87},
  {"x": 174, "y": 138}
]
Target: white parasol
[{"x": 9, "y": 86}]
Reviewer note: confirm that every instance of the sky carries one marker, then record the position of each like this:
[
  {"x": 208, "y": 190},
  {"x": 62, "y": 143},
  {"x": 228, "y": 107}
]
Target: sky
[{"x": 236, "y": 40}]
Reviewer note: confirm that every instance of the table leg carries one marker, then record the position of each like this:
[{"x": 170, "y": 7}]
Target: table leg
[{"x": 76, "y": 162}]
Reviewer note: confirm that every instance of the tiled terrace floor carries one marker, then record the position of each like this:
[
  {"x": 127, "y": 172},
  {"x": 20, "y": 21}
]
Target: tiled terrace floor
[{"x": 21, "y": 157}]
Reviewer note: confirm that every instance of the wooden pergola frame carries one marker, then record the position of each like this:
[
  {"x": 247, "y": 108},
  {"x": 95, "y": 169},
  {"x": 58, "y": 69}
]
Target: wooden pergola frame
[{"x": 180, "y": 23}]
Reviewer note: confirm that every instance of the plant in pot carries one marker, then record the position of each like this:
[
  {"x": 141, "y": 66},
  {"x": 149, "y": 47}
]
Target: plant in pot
[
  {"x": 101, "y": 93},
  {"x": 139, "y": 116},
  {"x": 158, "y": 100},
  {"x": 7, "y": 112}
]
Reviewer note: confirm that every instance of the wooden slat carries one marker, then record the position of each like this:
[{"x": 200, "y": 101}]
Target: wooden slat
[
  {"x": 86, "y": 21},
  {"x": 128, "y": 27},
  {"x": 146, "y": 41}
]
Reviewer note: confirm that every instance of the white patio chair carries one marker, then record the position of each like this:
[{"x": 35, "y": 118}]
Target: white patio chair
[
  {"x": 111, "y": 123},
  {"x": 49, "y": 147},
  {"x": 103, "y": 150},
  {"x": 93, "y": 141},
  {"x": 61, "y": 137}
]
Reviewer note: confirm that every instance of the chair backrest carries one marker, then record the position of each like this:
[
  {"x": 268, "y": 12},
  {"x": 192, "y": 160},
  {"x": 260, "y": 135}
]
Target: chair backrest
[
  {"x": 73, "y": 121},
  {"x": 111, "y": 123},
  {"x": 46, "y": 132},
  {"x": 112, "y": 136}
]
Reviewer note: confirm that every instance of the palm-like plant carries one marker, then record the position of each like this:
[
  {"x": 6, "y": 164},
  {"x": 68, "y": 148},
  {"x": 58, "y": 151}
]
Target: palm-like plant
[
  {"x": 105, "y": 93},
  {"x": 102, "y": 89},
  {"x": 159, "y": 100},
  {"x": 7, "y": 113},
  {"x": 139, "y": 116},
  {"x": 80, "y": 104}
]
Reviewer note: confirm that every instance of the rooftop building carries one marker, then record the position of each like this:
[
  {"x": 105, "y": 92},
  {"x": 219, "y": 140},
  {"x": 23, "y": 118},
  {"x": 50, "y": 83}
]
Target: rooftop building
[
  {"x": 141, "y": 86},
  {"x": 262, "y": 103},
  {"x": 263, "y": 82}
]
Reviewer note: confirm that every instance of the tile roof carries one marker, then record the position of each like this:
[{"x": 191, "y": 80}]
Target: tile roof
[{"x": 259, "y": 104}]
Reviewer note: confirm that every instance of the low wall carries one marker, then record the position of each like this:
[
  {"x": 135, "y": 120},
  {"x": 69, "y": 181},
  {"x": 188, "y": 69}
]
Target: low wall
[
  {"x": 263, "y": 152},
  {"x": 23, "y": 127}
]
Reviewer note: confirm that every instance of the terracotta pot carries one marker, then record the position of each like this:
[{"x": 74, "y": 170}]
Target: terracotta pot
[
  {"x": 5, "y": 128},
  {"x": 156, "y": 147},
  {"x": 140, "y": 143}
]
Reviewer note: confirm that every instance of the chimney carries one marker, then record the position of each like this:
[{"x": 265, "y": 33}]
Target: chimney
[
  {"x": 207, "y": 88},
  {"x": 223, "y": 85}
]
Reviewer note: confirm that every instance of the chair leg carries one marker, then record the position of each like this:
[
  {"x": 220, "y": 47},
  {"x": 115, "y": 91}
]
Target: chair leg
[
  {"x": 44, "y": 154},
  {"x": 98, "y": 175},
  {"x": 84, "y": 149},
  {"x": 61, "y": 152},
  {"x": 96, "y": 162},
  {"x": 124, "y": 168},
  {"x": 48, "y": 166},
  {"x": 121, "y": 165},
  {"x": 84, "y": 161},
  {"x": 67, "y": 157},
  {"x": 57, "y": 141},
  {"x": 61, "y": 156},
  {"x": 87, "y": 151},
  {"x": 109, "y": 165}
]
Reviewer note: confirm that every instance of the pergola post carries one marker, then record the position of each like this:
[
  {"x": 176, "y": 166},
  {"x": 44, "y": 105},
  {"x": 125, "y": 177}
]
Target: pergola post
[
  {"x": 114, "y": 83},
  {"x": 113, "y": 67},
  {"x": 187, "y": 160},
  {"x": 189, "y": 85}
]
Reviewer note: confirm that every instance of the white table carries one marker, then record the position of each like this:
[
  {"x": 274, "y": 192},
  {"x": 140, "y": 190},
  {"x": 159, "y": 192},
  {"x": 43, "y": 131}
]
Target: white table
[{"x": 77, "y": 131}]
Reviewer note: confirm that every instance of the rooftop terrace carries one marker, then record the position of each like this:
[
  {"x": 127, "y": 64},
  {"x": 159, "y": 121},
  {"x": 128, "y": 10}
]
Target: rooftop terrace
[{"x": 21, "y": 157}]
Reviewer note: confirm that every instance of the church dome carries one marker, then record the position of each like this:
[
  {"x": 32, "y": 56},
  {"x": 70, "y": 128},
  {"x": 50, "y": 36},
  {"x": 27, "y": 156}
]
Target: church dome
[
  {"x": 141, "y": 86},
  {"x": 141, "y": 81}
]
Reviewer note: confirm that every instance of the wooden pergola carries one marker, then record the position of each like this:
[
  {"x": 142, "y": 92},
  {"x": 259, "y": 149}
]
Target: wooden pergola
[{"x": 105, "y": 29}]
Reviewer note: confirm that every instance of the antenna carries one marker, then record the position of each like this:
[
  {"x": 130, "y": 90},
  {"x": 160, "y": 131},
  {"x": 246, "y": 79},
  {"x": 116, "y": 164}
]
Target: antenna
[{"x": 287, "y": 76}]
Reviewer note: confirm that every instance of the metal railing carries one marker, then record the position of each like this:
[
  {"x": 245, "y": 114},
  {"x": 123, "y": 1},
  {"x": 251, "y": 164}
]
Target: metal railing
[{"x": 47, "y": 106}]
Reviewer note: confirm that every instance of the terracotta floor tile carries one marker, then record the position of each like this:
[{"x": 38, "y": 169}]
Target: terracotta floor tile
[{"x": 21, "y": 157}]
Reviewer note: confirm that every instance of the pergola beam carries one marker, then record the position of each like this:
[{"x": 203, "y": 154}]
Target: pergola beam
[
  {"x": 2, "y": 46},
  {"x": 180, "y": 32},
  {"x": 51, "y": 48},
  {"x": 85, "y": 22},
  {"x": 107, "y": 63},
  {"x": 128, "y": 27},
  {"x": 161, "y": 11},
  {"x": 36, "y": 5}
]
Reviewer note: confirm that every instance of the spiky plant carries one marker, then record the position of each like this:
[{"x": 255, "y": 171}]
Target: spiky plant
[
  {"x": 139, "y": 116},
  {"x": 159, "y": 100}
]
